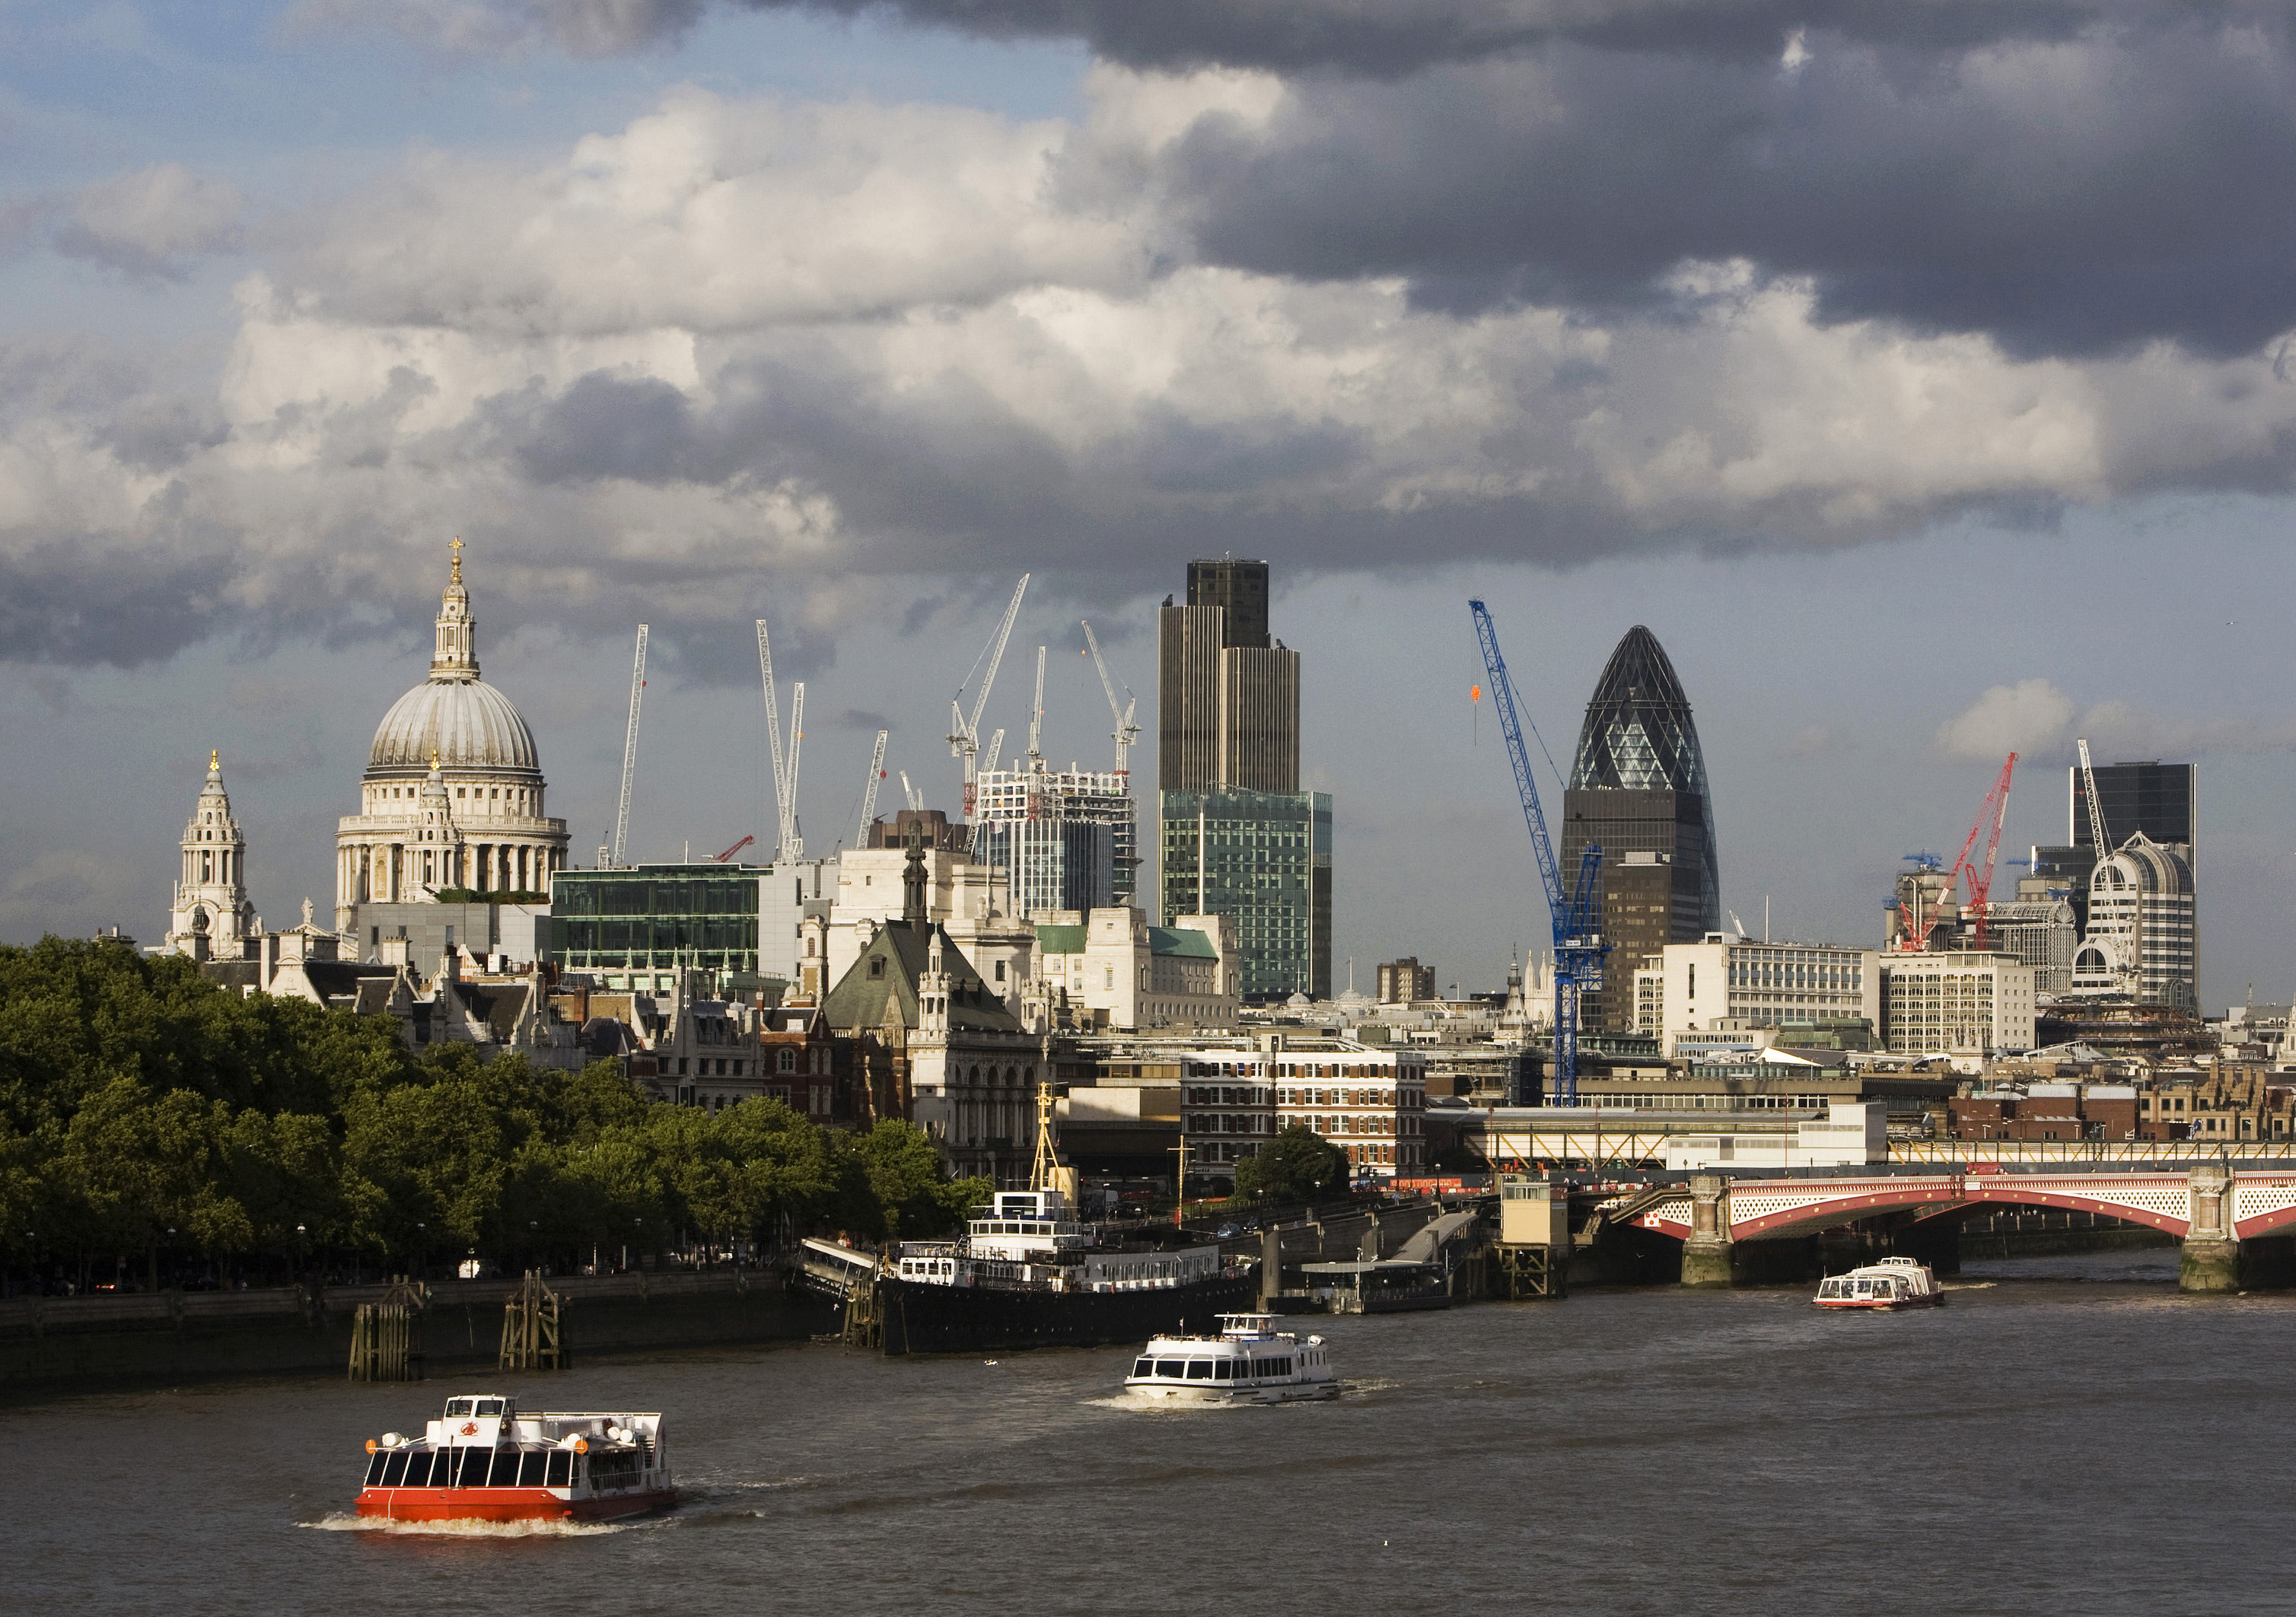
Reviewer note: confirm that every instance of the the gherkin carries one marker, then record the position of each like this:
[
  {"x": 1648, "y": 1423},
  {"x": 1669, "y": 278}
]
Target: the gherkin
[{"x": 1638, "y": 787}]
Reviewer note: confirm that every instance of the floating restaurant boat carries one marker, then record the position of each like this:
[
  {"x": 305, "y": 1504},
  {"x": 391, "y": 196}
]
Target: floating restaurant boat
[
  {"x": 1893, "y": 1282},
  {"x": 1248, "y": 1362},
  {"x": 483, "y": 1460}
]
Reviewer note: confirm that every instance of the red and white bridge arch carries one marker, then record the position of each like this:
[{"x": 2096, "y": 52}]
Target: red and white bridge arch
[{"x": 2262, "y": 1204}]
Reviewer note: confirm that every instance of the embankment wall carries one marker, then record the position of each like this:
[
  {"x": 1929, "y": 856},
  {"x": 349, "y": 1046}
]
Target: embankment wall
[{"x": 63, "y": 1343}]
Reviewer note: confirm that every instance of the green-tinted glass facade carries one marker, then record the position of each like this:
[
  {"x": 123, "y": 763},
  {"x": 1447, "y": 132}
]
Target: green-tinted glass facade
[
  {"x": 1265, "y": 860},
  {"x": 632, "y": 928}
]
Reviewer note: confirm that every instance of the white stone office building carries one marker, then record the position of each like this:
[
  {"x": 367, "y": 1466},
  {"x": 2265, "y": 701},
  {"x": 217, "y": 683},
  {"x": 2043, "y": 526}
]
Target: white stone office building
[
  {"x": 1109, "y": 968},
  {"x": 1957, "y": 1003},
  {"x": 1730, "y": 982}
]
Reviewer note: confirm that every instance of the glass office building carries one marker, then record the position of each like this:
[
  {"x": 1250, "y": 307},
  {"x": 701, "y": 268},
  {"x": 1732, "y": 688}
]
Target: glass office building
[
  {"x": 1264, "y": 859},
  {"x": 635, "y": 928}
]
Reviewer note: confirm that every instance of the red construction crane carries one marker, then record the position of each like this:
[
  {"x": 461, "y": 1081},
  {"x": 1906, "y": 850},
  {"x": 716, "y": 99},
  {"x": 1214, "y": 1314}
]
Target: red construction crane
[
  {"x": 729, "y": 852},
  {"x": 1996, "y": 809}
]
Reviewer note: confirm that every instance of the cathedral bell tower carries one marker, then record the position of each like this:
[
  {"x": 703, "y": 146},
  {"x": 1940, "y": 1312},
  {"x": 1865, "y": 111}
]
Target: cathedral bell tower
[{"x": 211, "y": 917}]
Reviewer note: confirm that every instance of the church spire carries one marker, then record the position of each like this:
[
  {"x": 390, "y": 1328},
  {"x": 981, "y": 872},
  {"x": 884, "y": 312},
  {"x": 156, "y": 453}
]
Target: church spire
[{"x": 457, "y": 654}]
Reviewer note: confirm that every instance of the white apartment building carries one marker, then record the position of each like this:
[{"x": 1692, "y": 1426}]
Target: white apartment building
[
  {"x": 1370, "y": 1103},
  {"x": 1738, "y": 982},
  {"x": 1959, "y": 1002},
  {"x": 1111, "y": 968}
]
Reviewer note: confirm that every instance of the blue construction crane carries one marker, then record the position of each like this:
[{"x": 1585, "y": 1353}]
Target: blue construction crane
[{"x": 1578, "y": 946}]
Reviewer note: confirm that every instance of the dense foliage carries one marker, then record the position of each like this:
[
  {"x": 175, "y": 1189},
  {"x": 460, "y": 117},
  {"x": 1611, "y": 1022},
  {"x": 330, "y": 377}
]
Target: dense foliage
[
  {"x": 150, "y": 1117},
  {"x": 1297, "y": 1164}
]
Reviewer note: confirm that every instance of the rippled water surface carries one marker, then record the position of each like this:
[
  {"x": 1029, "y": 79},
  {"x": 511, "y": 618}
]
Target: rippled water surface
[{"x": 2068, "y": 1435}]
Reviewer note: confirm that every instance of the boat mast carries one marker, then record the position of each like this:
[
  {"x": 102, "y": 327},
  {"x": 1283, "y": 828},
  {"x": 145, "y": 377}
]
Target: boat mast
[{"x": 1043, "y": 1173}]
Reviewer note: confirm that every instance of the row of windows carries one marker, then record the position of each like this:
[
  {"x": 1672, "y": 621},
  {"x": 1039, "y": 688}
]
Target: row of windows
[
  {"x": 473, "y": 1468},
  {"x": 687, "y": 897}
]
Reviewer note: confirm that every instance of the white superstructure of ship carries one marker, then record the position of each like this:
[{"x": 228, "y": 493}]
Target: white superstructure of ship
[
  {"x": 1893, "y": 1282},
  {"x": 1248, "y": 1362}
]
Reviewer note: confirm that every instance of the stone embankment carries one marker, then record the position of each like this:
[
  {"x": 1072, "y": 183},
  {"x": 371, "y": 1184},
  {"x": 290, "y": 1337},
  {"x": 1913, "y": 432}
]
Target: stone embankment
[{"x": 153, "y": 1337}]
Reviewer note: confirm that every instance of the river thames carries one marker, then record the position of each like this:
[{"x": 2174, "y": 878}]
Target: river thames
[{"x": 2067, "y": 1435}]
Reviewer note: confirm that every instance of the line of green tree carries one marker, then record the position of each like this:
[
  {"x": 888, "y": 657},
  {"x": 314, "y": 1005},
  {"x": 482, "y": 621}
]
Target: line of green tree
[{"x": 152, "y": 1120}]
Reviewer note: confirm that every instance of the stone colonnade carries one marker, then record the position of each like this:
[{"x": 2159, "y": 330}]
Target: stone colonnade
[{"x": 389, "y": 872}]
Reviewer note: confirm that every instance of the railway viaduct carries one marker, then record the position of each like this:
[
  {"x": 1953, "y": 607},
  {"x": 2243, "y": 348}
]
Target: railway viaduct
[{"x": 2207, "y": 1206}]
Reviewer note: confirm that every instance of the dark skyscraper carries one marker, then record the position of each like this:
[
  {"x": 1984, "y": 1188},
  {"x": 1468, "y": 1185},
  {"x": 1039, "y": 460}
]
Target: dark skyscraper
[
  {"x": 1638, "y": 789},
  {"x": 1227, "y": 710},
  {"x": 1236, "y": 834}
]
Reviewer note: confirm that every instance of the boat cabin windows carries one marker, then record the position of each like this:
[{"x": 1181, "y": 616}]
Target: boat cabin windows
[
  {"x": 1200, "y": 1369},
  {"x": 457, "y": 1408},
  {"x": 615, "y": 1469},
  {"x": 561, "y": 1469}
]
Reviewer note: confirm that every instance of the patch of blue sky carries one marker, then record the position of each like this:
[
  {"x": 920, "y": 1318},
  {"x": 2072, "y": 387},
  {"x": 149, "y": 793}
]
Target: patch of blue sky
[{"x": 237, "y": 88}]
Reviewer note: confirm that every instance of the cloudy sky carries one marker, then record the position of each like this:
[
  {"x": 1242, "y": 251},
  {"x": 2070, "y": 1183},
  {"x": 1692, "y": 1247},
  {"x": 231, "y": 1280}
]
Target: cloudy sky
[{"x": 1921, "y": 373}]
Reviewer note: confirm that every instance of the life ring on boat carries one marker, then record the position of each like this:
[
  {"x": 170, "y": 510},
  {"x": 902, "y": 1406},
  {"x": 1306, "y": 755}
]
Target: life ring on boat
[{"x": 581, "y": 1445}]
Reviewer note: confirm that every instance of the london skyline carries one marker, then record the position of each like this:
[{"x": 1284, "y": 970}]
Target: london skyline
[{"x": 1892, "y": 507}]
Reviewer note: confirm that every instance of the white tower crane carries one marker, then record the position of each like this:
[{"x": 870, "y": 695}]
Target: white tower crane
[
  {"x": 1125, "y": 732},
  {"x": 965, "y": 738},
  {"x": 869, "y": 792},
  {"x": 630, "y": 751},
  {"x": 789, "y": 846},
  {"x": 910, "y": 794},
  {"x": 988, "y": 759},
  {"x": 2095, "y": 812},
  {"x": 793, "y": 834},
  {"x": 1037, "y": 718}
]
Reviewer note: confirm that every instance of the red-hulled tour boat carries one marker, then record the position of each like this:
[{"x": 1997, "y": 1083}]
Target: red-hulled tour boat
[{"x": 483, "y": 1460}]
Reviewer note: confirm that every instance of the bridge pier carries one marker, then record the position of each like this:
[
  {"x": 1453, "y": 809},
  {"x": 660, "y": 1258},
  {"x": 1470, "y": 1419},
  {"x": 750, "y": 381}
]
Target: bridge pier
[
  {"x": 2210, "y": 1260},
  {"x": 1706, "y": 1252}
]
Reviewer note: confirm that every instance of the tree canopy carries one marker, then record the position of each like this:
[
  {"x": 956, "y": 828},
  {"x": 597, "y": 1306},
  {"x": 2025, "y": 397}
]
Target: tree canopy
[
  {"x": 145, "y": 1112},
  {"x": 1296, "y": 1165}
]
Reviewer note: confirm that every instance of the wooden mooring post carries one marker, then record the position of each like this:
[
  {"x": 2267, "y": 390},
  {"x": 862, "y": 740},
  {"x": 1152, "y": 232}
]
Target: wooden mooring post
[
  {"x": 863, "y": 1328},
  {"x": 387, "y": 1336},
  {"x": 534, "y": 1328}
]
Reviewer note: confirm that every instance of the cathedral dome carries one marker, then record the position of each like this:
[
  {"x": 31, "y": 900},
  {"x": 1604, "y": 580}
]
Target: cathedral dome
[{"x": 467, "y": 722}]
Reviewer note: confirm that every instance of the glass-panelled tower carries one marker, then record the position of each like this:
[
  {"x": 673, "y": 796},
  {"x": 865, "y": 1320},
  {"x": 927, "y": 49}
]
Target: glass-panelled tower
[
  {"x": 1263, "y": 859},
  {"x": 1638, "y": 788}
]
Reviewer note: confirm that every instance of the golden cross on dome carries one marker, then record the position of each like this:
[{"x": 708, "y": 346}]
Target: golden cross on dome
[
  {"x": 457, "y": 578},
  {"x": 215, "y": 758}
]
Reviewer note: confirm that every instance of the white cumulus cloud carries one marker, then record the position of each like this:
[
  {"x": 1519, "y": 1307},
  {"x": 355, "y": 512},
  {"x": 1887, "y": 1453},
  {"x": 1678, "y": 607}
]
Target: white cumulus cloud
[{"x": 2030, "y": 716}]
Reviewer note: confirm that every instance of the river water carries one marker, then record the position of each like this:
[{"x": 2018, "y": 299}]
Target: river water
[{"x": 2068, "y": 1435}]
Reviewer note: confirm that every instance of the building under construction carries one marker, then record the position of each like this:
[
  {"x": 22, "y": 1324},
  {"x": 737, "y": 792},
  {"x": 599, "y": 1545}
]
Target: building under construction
[{"x": 1066, "y": 839}]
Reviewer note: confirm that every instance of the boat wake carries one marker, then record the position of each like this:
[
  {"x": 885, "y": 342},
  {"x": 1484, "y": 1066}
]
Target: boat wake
[{"x": 344, "y": 1522}]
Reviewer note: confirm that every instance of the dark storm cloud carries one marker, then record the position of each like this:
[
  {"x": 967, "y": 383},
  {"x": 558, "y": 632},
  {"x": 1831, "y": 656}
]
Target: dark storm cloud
[
  {"x": 81, "y": 602},
  {"x": 2075, "y": 199},
  {"x": 1382, "y": 38}
]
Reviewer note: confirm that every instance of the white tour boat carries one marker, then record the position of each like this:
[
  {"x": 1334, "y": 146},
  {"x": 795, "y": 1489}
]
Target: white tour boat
[
  {"x": 484, "y": 1460},
  {"x": 1894, "y": 1283},
  {"x": 1248, "y": 1362}
]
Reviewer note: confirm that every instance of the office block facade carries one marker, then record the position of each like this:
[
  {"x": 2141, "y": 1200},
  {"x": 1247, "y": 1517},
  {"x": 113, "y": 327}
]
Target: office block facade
[{"x": 1263, "y": 860}]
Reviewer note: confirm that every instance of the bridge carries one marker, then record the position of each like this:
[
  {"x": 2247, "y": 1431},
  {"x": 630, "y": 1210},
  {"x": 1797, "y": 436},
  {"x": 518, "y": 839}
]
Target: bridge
[{"x": 2211, "y": 1207}]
